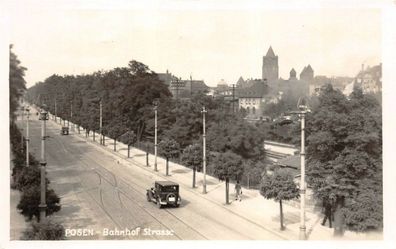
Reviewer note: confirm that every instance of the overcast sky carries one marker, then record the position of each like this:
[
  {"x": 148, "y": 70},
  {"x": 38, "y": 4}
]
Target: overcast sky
[{"x": 209, "y": 41}]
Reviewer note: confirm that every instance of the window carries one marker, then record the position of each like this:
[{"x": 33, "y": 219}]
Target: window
[
  {"x": 254, "y": 110},
  {"x": 248, "y": 109}
]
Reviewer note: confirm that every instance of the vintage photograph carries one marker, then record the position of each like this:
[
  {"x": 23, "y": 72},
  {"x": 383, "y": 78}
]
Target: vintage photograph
[{"x": 195, "y": 120}]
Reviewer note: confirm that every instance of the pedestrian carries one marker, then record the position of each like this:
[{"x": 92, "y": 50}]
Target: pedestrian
[
  {"x": 327, "y": 212},
  {"x": 238, "y": 191}
]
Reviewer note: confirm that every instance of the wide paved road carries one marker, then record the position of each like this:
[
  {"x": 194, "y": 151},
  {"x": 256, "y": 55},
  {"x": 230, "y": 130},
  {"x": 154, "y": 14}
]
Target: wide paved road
[{"x": 97, "y": 193}]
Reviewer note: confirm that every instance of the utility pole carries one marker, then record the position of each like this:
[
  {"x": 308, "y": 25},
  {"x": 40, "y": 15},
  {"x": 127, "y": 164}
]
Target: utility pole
[
  {"x": 302, "y": 183},
  {"x": 100, "y": 122},
  {"x": 204, "y": 150},
  {"x": 27, "y": 136},
  {"x": 191, "y": 82},
  {"x": 155, "y": 135},
  {"x": 22, "y": 118},
  {"x": 71, "y": 114},
  {"x": 55, "y": 112},
  {"x": 43, "y": 163},
  {"x": 233, "y": 98},
  {"x": 302, "y": 105}
]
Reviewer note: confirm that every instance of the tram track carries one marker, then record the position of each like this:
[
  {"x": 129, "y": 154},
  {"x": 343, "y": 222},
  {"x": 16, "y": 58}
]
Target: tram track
[{"x": 114, "y": 184}]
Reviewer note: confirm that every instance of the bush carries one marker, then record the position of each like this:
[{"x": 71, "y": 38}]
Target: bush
[
  {"x": 28, "y": 177},
  {"x": 30, "y": 200},
  {"x": 46, "y": 230}
]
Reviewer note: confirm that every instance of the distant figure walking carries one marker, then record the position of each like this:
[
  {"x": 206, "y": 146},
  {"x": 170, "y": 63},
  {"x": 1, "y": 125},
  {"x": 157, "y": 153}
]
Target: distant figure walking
[
  {"x": 327, "y": 212},
  {"x": 238, "y": 191}
]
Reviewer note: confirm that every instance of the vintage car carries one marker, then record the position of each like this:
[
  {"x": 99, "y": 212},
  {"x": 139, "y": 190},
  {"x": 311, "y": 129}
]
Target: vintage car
[
  {"x": 164, "y": 193},
  {"x": 64, "y": 130}
]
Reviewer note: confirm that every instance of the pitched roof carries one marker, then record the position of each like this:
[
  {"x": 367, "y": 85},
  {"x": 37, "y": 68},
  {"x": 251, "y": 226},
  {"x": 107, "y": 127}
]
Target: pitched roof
[
  {"x": 309, "y": 68},
  {"x": 270, "y": 52},
  {"x": 240, "y": 81},
  {"x": 198, "y": 85},
  {"x": 293, "y": 72}
]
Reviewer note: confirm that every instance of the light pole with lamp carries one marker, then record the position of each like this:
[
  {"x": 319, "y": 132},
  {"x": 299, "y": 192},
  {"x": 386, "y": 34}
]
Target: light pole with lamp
[
  {"x": 43, "y": 206},
  {"x": 56, "y": 114},
  {"x": 101, "y": 123},
  {"x": 71, "y": 115},
  {"x": 27, "y": 135},
  {"x": 303, "y": 110},
  {"x": 204, "y": 150},
  {"x": 155, "y": 134},
  {"x": 22, "y": 119}
]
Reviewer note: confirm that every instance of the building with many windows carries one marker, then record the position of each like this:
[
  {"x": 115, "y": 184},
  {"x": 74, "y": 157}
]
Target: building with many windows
[{"x": 182, "y": 88}]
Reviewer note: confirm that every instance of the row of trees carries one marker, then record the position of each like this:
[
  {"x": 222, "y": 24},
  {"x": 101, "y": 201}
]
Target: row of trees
[{"x": 17, "y": 84}]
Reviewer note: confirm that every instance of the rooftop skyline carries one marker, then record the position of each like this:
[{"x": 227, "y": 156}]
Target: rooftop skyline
[{"x": 212, "y": 43}]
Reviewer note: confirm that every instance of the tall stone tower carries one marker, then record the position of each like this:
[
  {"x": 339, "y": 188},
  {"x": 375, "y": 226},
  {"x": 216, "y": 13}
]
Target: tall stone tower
[
  {"x": 307, "y": 74},
  {"x": 270, "y": 66}
]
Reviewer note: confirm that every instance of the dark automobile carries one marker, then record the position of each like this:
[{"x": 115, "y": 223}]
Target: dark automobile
[
  {"x": 164, "y": 193},
  {"x": 64, "y": 130}
]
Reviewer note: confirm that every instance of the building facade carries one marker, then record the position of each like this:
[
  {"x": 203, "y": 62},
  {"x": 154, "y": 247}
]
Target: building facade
[{"x": 182, "y": 88}]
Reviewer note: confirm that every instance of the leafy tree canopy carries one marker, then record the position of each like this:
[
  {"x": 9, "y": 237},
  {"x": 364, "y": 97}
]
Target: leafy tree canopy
[
  {"x": 17, "y": 83},
  {"x": 169, "y": 148},
  {"x": 192, "y": 156},
  {"x": 279, "y": 186},
  {"x": 227, "y": 165},
  {"x": 344, "y": 149}
]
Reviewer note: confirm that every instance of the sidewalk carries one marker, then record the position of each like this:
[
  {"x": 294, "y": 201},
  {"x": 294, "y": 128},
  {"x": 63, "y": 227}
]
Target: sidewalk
[{"x": 253, "y": 206}]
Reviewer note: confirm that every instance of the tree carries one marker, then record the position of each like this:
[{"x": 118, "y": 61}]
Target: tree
[
  {"x": 129, "y": 138},
  {"x": 115, "y": 130},
  {"x": 253, "y": 173},
  {"x": 344, "y": 148},
  {"x": 238, "y": 136},
  {"x": 30, "y": 201},
  {"x": 279, "y": 186},
  {"x": 169, "y": 148},
  {"x": 17, "y": 83},
  {"x": 192, "y": 157},
  {"x": 46, "y": 230},
  {"x": 227, "y": 165},
  {"x": 85, "y": 92},
  {"x": 287, "y": 103}
]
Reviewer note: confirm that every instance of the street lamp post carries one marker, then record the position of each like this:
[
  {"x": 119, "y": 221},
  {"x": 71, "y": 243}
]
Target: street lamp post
[
  {"x": 204, "y": 150},
  {"x": 27, "y": 136},
  {"x": 56, "y": 114},
  {"x": 22, "y": 118},
  {"x": 71, "y": 115},
  {"x": 301, "y": 113},
  {"x": 43, "y": 163},
  {"x": 100, "y": 123},
  {"x": 155, "y": 135}
]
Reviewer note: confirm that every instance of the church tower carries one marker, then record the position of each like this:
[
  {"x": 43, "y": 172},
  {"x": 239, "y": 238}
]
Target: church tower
[
  {"x": 307, "y": 74},
  {"x": 270, "y": 66}
]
